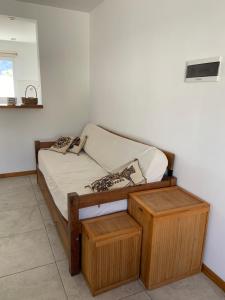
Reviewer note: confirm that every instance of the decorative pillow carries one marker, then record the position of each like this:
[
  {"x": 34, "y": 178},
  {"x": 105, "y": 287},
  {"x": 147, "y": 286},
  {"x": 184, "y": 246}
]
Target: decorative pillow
[
  {"x": 130, "y": 175},
  {"x": 77, "y": 145},
  {"x": 133, "y": 173},
  {"x": 62, "y": 144},
  {"x": 110, "y": 182}
]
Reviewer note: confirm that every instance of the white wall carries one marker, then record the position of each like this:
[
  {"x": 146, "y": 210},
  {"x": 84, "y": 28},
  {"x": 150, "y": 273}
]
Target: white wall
[
  {"x": 26, "y": 67},
  {"x": 64, "y": 64},
  {"x": 138, "y": 54}
]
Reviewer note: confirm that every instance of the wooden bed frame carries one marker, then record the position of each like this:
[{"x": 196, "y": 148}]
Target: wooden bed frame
[{"x": 70, "y": 231}]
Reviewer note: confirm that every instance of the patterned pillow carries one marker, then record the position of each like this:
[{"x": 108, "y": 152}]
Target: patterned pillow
[
  {"x": 109, "y": 182},
  {"x": 77, "y": 145},
  {"x": 133, "y": 173},
  {"x": 130, "y": 175},
  {"x": 62, "y": 144}
]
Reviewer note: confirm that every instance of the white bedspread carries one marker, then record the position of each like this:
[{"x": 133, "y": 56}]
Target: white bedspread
[
  {"x": 104, "y": 151},
  {"x": 71, "y": 173}
]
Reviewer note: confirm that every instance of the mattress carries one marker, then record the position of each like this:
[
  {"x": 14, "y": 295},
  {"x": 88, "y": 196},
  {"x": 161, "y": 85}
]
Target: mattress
[{"x": 71, "y": 173}]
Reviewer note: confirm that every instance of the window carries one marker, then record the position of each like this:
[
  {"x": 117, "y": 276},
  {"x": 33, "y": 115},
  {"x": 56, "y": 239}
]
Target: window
[{"x": 6, "y": 78}]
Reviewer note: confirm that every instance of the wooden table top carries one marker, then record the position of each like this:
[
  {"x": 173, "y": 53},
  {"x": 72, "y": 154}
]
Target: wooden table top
[
  {"x": 166, "y": 200},
  {"x": 110, "y": 226}
]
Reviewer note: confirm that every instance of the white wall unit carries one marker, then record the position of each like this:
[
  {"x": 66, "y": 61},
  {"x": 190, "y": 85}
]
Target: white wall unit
[
  {"x": 138, "y": 54},
  {"x": 200, "y": 70},
  {"x": 64, "y": 64}
]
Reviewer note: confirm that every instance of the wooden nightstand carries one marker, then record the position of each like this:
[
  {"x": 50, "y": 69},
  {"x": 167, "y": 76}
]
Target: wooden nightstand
[
  {"x": 174, "y": 226},
  {"x": 111, "y": 247}
]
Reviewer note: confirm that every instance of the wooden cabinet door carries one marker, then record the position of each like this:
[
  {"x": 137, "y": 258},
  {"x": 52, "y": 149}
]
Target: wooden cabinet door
[
  {"x": 177, "y": 245},
  {"x": 145, "y": 220}
]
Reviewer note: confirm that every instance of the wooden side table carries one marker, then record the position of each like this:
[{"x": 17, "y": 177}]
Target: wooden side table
[
  {"x": 174, "y": 226},
  {"x": 111, "y": 247}
]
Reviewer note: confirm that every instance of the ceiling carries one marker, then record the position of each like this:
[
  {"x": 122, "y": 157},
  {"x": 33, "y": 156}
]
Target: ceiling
[
  {"x": 81, "y": 5},
  {"x": 17, "y": 29}
]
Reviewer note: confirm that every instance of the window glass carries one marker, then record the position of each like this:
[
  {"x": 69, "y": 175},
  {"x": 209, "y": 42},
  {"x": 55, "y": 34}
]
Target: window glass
[{"x": 6, "y": 78}]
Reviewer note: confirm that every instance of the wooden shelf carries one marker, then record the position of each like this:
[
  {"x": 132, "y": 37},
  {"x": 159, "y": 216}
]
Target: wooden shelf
[{"x": 39, "y": 106}]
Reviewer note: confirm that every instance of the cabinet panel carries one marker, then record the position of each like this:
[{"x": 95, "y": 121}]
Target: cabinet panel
[
  {"x": 176, "y": 247},
  {"x": 145, "y": 220},
  {"x": 111, "y": 247},
  {"x": 173, "y": 239},
  {"x": 121, "y": 257}
]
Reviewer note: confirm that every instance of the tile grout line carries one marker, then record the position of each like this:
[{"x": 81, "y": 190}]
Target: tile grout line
[
  {"x": 20, "y": 209},
  {"x": 148, "y": 295},
  {"x": 61, "y": 280},
  {"x": 136, "y": 293},
  {"x": 139, "y": 292},
  {"x": 144, "y": 290},
  {"x": 32, "y": 187},
  {"x": 65, "y": 260},
  {"x": 24, "y": 208},
  {"x": 19, "y": 233},
  {"x": 49, "y": 242},
  {"x": 55, "y": 262},
  {"x": 27, "y": 270}
]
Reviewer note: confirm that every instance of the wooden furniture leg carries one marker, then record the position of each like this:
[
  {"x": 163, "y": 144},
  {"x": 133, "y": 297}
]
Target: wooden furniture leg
[{"x": 74, "y": 234}]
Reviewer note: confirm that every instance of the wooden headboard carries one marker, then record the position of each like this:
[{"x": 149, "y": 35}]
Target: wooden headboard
[{"x": 170, "y": 156}]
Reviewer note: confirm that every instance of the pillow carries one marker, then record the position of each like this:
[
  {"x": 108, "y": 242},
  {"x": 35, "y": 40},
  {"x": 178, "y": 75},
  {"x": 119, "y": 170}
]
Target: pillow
[
  {"x": 77, "y": 145},
  {"x": 130, "y": 175},
  {"x": 153, "y": 164},
  {"x": 133, "y": 172},
  {"x": 109, "y": 182},
  {"x": 62, "y": 144}
]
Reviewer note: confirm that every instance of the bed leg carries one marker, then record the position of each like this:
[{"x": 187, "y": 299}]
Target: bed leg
[
  {"x": 37, "y": 178},
  {"x": 173, "y": 181},
  {"x": 74, "y": 257},
  {"x": 74, "y": 234},
  {"x": 37, "y": 145}
]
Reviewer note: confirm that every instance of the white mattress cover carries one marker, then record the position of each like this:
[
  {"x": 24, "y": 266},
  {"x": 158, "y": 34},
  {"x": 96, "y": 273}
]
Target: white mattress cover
[
  {"x": 71, "y": 173},
  {"x": 109, "y": 150},
  {"x": 112, "y": 152}
]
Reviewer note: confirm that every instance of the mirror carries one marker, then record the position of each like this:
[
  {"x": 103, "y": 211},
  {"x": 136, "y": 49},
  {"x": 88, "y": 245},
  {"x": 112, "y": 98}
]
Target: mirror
[{"x": 19, "y": 59}]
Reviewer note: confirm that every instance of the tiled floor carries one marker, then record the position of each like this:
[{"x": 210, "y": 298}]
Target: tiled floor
[{"x": 33, "y": 263}]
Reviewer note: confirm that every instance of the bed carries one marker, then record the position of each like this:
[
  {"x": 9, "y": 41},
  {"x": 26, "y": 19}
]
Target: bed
[{"x": 63, "y": 180}]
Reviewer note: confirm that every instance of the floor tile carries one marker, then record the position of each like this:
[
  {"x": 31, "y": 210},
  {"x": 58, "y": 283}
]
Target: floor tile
[
  {"x": 56, "y": 244},
  {"x": 197, "y": 287},
  {"x": 7, "y": 184},
  {"x": 36, "y": 188},
  {"x": 24, "y": 251},
  {"x": 20, "y": 220},
  {"x": 76, "y": 287},
  {"x": 41, "y": 283},
  {"x": 38, "y": 194},
  {"x": 33, "y": 179},
  {"x": 138, "y": 296},
  {"x": 16, "y": 198},
  {"x": 46, "y": 214}
]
